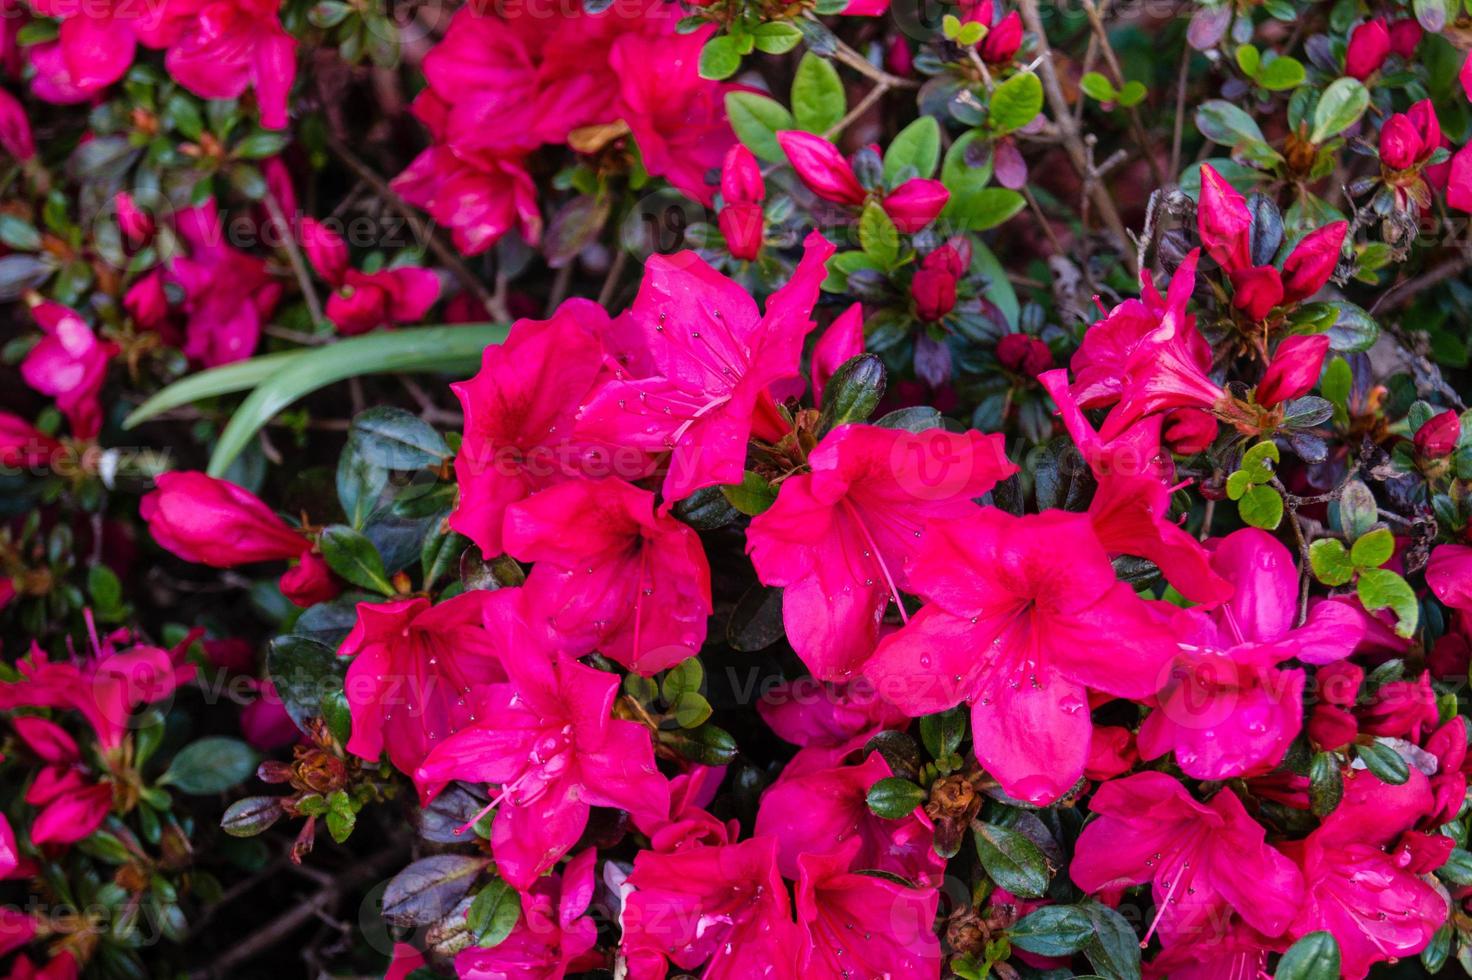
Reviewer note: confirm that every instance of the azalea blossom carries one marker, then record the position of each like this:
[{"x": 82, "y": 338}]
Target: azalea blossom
[
  {"x": 228, "y": 295},
  {"x": 711, "y": 355},
  {"x": 911, "y": 206},
  {"x": 553, "y": 936},
  {"x": 362, "y": 301},
  {"x": 838, "y": 537},
  {"x": 70, "y": 364},
  {"x": 544, "y": 740},
  {"x": 612, "y": 573},
  {"x": 1024, "y": 616}
]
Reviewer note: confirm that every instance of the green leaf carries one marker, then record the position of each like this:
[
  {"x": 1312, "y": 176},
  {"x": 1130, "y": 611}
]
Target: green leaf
[
  {"x": 894, "y": 798},
  {"x": 942, "y": 732},
  {"x": 1227, "y": 124},
  {"x": 340, "y": 825},
  {"x": 878, "y": 236},
  {"x": 1261, "y": 506},
  {"x": 493, "y": 914},
  {"x": 1281, "y": 74},
  {"x": 1259, "y": 461},
  {"x": 304, "y": 672},
  {"x": 1330, "y": 561},
  {"x": 396, "y": 439},
  {"x": 1054, "y": 930},
  {"x": 1357, "y": 509},
  {"x": 259, "y": 146},
  {"x": 1325, "y": 784},
  {"x": 756, "y": 119},
  {"x": 211, "y": 765},
  {"x": 1249, "y": 59},
  {"x": 1097, "y": 87},
  {"x": 1385, "y": 762},
  {"x": 225, "y": 380},
  {"x": 818, "y": 102},
  {"x": 720, "y": 57},
  {"x": 691, "y": 710},
  {"x": 1011, "y": 860},
  {"x": 917, "y": 146},
  {"x": 1373, "y": 549},
  {"x": 752, "y": 495},
  {"x": 1341, "y": 105},
  {"x": 1314, "y": 957},
  {"x": 683, "y": 678},
  {"x": 777, "y": 37},
  {"x": 1015, "y": 103},
  {"x": 707, "y": 745},
  {"x": 1337, "y": 381},
  {"x": 1458, "y": 867},
  {"x": 853, "y": 392},
  {"x": 1114, "y": 950},
  {"x": 1132, "y": 94},
  {"x": 351, "y": 555},
  {"x": 1380, "y": 588},
  {"x": 978, "y": 209}
]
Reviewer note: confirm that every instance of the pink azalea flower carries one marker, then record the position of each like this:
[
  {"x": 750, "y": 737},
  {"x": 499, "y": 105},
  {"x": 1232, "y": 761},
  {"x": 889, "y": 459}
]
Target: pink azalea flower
[
  {"x": 688, "y": 824},
  {"x": 220, "y": 48},
  {"x": 810, "y": 713},
  {"x": 612, "y": 574},
  {"x": 552, "y": 938},
  {"x": 722, "y": 905},
  {"x": 677, "y": 118},
  {"x": 821, "y": 810},
  {"x": 1369, "y": 46},
  {"x": 1227, "y": 709},
  {"x": 70, "y": 364},
  {"x": 1374, "y": 907},
  {"x": 1439, "y": 435},
  {"x": 742, "y": 190},
  {"x": 1025, "y": 614},
  {"x": 478, "y": 197},
  {"x": 1199, "y": 857},
  {"x": 362, "y": 301},
  {"x": 15, "y": 129},
  {"x": 712, "y": 357},
  {"x": 22, "y": 445},
  {"x": 545, "y": 741},
  {"x": 416, "y": 671},
  {"x": 1449, "y": 573},
  {"x": 911, "y": 206},
  {"x": 838, "y": 537},
  {"x": 71, "y": 804},
  {"x": 841, "y": 341},
  {"x": 213, "y": 522},
  {"x": 96, "y": 42},
  {"x": 1003, "y": 41},
  {"x": 519, "y": 414},
  {"x": 228, "y": 294},
  {"x": 860, "y": 925}
]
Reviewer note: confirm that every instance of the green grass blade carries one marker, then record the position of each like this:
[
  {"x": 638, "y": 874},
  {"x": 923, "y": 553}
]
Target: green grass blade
[
  {"x": 454, "y": 349},
  {"x": 223, "y": 380}
]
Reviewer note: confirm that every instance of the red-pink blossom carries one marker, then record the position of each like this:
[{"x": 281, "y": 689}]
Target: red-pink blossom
[
  {"x": 22, "y": 445},
  {"x": 710, "y": 356},
  {"x": 218, "y": 49},
  {"x": 1025, "y": 615},
  {"x": 417, "y": 671},
  {"x": 915, "y": 203},
  {"x": 228, "y": 295},
  {"x": 911, "y": 206},
  {"x": 213, "y": 522},
  {"x": 1200, "y": 858},
  {"x": 15, "y": 129},
  {"x": 1024, "y": 354},
  {"x": 553, "y": 937},
  {"x": 1438, "y": 436},
  {"x": 1369, "y": 46},
  {"x": 838, "y": 537},
  {"x": 70, "y": 364},
  {"x": 1294, "y": 369},
  {"x": 1449, "y": 573},
  {"x": 1003, "y": 40},
  {"x": 362, "y": 301},
  {"x": 742, "y": 191},
  {"x": 933, "y": 287},
  {"x": 611, "y": 573},
  {"x": 842, "y": 340},
  {"x": 546, "y": 744}
]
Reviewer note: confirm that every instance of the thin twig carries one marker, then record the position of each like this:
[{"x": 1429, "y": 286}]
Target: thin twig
[
  {"x": 874, "y": 95},
  {"x": 848, "y": 56},
  {"x": 1175, "y": 139},
  {"x": 1096, "y": 22},
  {"x": 294, "y": 256},
  {"x": 615, "y": 273}
]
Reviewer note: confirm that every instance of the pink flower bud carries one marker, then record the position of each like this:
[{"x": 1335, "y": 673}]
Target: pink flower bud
[
  {"x": 146, "y": 301},
  {"x": 741, "y": 177},
  {"x": 1023, "y": 354},
  {"x": 1256, "y": 290},
  {"x": 326, "y": 250},
  {"x": 742, "y": 225},
  {"x": 821, "y": 167},
  {"x": 22, "y": 445},
  {"x": 1311, "y": 263},
  {"x": 16, "y": 930},
  {"x": 1294, "y": 370},
  {"x": 934, "y": 286},
  {"x": 1420, "y": 852},
  {"x": 1400, "y": 143},
  {"x": 1331, "y": 727},
  {"x": 1223, "y": 222},
  {"x": 1439, "y": 435},
  {"x": 1003, "y": 41},
  {"x": 1405, "y": 36},
  {"x": 265, "y": 723},
  {"x": 214, "y": 522},
  {"x": 15, "y": 128},
  {"x": 1189, "y": 430},
  {"x": 73, "y": 816},
  {"x": 1369, "y": 46},
  {"x": 977, "y": 12},
  {"x": 1459, "y": 179},
  {"x": 357, "y": 307},
  {"x": 135, "y": 223},
  {"x": 915, "y": 204},
  {"x": 310, "y": 581},
  {"x": 898, "y": 58}
]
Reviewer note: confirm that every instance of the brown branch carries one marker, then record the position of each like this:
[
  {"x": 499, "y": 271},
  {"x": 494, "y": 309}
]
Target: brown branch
[
  {"x": 294, "y": 256},
  {"x": 1096, "y": 22}
]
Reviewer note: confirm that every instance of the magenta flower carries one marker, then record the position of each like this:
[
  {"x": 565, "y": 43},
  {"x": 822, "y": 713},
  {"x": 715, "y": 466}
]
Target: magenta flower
[
  {"x": 15, "y": 129},
  {"x": 416, "y": 673},
  {"x": 712, "y": 356},
  {"x": 1003, "y": 40},
  {"x": 933, "y": 287},
  {"x": 1449, "y": 573},
  {"x": 1294, "y": 369},
  {"x": 1200, "y": 858},
  {"x": 220, "y": 48},
  {"x": 362, "y": 301},
  {"x": 479, "y": 197},
  {"x": 95, "y": 44},
  {"x": 1369, "y": 46},
  {"x": 722, "y": 905},
  {"x": 546, "y": 744},
  {"x": 552, "y": 938},
  {"x": 1375, "y": 908},
  {"x": 1438, "y": 436},
  {"x": 70, "y": 364},
  {"x": 911, "y": 206},
  {"x": 1025, "y": 616},
  {"x": 842, "y": 340},
  {"x": 861, "y": 925},
  {"x": 612, "y": 574},
  {"x": 1228, "y": 710},
  {"x": 818, "y": 811},
  {"x": 228, "y": 295},
  {"x": 813, "y": 714},
  {"x": 519, "y": 412},
  {"x": 838, "y": 537},
  {"x": 742, "y": 191},
  {"x": 70, "y": 803},
  {"x": 22, "y": 445},
  {"x": 213, "y": 522}
]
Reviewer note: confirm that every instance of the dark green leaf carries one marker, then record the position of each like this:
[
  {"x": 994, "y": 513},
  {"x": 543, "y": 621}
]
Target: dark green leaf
[
  {"x": 894, "y": 798},
  {"x": 211, "y": 765},
  {"x": 1010, "y": 859},
  {"x": 493, "y": 914}
]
